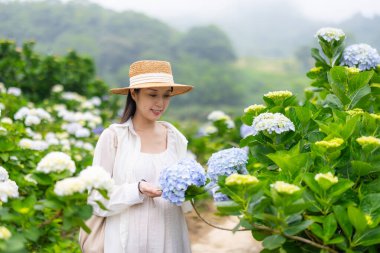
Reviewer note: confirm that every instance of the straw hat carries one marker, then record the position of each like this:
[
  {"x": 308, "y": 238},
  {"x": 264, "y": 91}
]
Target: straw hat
[{"x": 148, "y": 74}]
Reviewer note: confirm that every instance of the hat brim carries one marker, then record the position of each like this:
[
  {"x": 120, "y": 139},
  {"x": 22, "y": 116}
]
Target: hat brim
[{"x": 177, "y": 88}]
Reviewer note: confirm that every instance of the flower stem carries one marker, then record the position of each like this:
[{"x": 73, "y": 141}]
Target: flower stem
[{"x": 268, "y": 229}]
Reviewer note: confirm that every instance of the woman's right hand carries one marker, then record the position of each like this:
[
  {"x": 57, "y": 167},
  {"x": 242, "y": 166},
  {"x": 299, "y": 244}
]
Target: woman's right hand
[{"x": 150, "y": 190}]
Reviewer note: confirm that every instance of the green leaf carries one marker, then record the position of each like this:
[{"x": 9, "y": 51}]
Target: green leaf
[
  {"x": 370, "y": 204},
  {"x": 247, "y": 119},
  {"x": 312, "y": 184},
  {"x": 338, "y": 78},
  {"x": 295, "y": 229},
  {"x": 359, "y": 80},
  {"x": 357, "y": 219},
  {"x": 317, "y": 230},
  {"x": 333, "y": 101},
  {"x": 315, "y": 54},
  {"x": 339, "y": 188},
  {"x": 228, "y": 207},
  {"x": 336, "y": 240},
  {"x": 343, "y": 220},
  {"x": 329, "y": 227},
  {"x": 273, "y": 242},
  {"x": 361, "y": 168},
  {"x": 358, "y": 95},
  {"x": 259, "y": 235},
  {"x": 370, "y": 237},
  {"x": 247, "y": 140},
  {"x": 43, "y": 179},
  {"x": 290, "y": 161}
]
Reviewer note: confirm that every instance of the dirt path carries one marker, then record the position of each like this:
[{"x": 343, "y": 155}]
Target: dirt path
[{"x": 206, "y": 239}]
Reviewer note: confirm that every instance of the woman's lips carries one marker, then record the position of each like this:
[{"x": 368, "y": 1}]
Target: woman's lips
[{"x": 156, "y": 112}]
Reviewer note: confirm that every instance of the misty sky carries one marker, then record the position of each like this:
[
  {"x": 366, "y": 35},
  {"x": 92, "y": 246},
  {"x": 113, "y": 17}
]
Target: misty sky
[{"x": 326, "y": 10}]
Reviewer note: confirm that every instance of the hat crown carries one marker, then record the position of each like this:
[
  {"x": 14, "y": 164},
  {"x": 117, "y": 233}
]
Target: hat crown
[{"x": 149, "y": 66}]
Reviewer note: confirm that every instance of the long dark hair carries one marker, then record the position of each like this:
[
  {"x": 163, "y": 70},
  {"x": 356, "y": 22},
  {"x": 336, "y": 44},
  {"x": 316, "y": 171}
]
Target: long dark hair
[{"x": 130, "y": 107}]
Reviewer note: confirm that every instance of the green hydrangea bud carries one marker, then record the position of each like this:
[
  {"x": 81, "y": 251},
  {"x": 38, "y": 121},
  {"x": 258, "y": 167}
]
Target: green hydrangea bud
[
  {"x": 237, "y": 179},
  {"x": 326, "y": 180},
  {"x": 283, "y": 187}
]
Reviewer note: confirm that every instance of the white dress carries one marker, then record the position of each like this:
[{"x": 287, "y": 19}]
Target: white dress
[{"x": 154, "y": 224}]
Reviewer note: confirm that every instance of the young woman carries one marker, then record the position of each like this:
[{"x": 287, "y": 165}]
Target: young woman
[{"x": 134, "y": 152}]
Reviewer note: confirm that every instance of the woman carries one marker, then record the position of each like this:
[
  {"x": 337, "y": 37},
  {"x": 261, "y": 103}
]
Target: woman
[{"x": 134, "y": 152}]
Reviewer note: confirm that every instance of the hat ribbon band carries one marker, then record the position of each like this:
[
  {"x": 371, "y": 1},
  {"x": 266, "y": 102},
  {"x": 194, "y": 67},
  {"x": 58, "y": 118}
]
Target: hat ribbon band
[{"x": 151, "y": 78}]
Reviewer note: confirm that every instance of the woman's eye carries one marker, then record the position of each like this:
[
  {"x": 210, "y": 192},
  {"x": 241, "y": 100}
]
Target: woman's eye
[{"x": 153, "y": 96}]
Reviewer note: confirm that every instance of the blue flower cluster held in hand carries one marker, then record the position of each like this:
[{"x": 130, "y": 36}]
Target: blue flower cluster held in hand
[
  {"x": 227, "y": 162},
  {"x": 175, "y": 179},
  {"x": 272, "y": 122},
  {"x": 362, "y": 56}
]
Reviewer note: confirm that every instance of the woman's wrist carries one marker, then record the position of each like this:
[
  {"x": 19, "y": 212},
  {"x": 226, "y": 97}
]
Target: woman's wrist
[{"x": 138, "y": 185}]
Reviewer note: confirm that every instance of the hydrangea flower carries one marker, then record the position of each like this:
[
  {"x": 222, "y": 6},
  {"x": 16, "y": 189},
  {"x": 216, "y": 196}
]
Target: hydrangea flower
[
  {"x": 278, "y": 95},
  {"x": 283, "y": 187},
  {"x": 326, "y": 180},
  {"x": 5, "y": 234},
  {"x": 34, "y": 145},
  {"x": 244, "y": 180},
  {"x": 3, "y": 174},
  {"x": 329, "y": 34},
  {"x": 227, "y": 162},
  {"x": 14, "y": 91},
  {"x": 368, "y": 140},
  {"x": 73, "y": 96},
  {"x": 255, "y": 108},
  {"x": 272, "y": 122},
  {"x": 95, "y": 177},
  {"x": 356, "y": 111},
  {"x": 8, "y": 189},
  {"x": 82, "y": 133},
  {"x": 220, "y": 115},
  {"x": 245, "y": 130},
  {"x": 361, "y": 56},
  {"x": 175, "y": 180},
  {"x": 57, "y": 88},
  {"x": 333, "y": 143},
  {"x": 69, "y": 186},
  {"x": 56, "y": 162},
  {"x": 218, "y": 196}
]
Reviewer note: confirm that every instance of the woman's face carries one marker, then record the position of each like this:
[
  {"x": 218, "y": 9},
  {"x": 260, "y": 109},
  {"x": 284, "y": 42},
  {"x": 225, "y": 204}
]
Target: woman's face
[{"x": 151, "y": 103}]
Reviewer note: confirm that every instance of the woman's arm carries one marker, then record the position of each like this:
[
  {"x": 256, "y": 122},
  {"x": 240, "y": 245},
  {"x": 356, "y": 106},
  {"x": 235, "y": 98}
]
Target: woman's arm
[{"x": 122, "y": 196}]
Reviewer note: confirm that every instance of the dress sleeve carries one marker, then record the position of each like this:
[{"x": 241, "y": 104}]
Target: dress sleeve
[{"x": 121, "y": 196}]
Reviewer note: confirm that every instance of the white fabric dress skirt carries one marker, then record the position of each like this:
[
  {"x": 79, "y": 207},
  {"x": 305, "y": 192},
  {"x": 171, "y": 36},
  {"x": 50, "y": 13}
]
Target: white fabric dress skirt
[{"x": 155, "y": 225}]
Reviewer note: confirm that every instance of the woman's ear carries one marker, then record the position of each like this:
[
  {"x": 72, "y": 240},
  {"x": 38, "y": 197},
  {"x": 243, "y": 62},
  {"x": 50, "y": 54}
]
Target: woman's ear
[{"x": 133, "y": 94}]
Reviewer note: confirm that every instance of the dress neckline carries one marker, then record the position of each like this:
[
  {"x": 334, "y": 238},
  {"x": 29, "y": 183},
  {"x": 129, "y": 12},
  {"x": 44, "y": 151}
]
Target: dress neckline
[{"x": 168, "y": 139}]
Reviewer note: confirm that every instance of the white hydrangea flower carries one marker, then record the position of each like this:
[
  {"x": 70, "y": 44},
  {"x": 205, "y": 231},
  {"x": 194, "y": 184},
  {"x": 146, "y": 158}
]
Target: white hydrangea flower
[
  {"x": 57, "y": 88},
  {"x": 7, "y": 120},
  {"x": 72, "y": 127},
  {"x": 272, "y": 122},
  {"x": 96, "y": 101},
  {"x": 2, "y": 106},
  {"x": 255, "y": 108},
  {"x": 34, "y": 145},
  {"x": 217, "y": 115},
  {"x": 283, "y": 187},
  {"x": 14, "y": 91},
  {"x": 8, "y": 189},
  {"x": 279, "y": 94},
  {"x": 56, "y": 162},
  {"x": 82, "y": 133},
  {"x": 88, "y": 146},
  {"x": 87, "y": 105},
  {"x": 73, "y": 96},
  {"x": 3, "y": 174},
  {"x": 5, "y": 234},
  {"x": 32, "y": 120},
  {"x": 69, "y": 186},
  {"x": 327, "y": 176},
  {"x": 95, "y": 177},
  {"x": 329, "y": 34},
  {"x": 21, "y": 113}
]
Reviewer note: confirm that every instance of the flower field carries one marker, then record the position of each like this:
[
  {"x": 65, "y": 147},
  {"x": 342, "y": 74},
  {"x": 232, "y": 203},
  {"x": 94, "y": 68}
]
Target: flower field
[{"x": 302, "y": 176}]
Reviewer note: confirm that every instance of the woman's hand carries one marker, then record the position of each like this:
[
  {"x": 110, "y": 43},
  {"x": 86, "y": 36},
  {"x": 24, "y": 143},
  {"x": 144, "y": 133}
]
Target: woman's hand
[{"x": 149, "y": 189}]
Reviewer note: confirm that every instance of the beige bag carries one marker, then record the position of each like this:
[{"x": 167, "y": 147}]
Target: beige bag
[{"x": 93, "y": 242}]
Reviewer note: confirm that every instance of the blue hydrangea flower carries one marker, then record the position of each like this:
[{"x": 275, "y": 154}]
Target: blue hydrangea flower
[
  {"x": 245, "y": 130},
  {"x": 216, "y": 194},
  {"x": 227, "y": 162},
  {"x": 175, "y": 179},
  {"x": 272, "y": 122},
  {"x": 361, "y": 56}
]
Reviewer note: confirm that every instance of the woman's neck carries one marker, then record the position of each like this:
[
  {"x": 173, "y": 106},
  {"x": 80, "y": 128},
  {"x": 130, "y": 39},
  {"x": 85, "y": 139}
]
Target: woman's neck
[{"x": 142, "y": 124}]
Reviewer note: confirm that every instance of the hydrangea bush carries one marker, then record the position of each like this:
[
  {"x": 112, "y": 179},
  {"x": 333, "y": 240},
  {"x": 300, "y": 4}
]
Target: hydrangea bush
[
  {"x": 314, "y": 165},
  {"x": 45, "y": 171}
]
